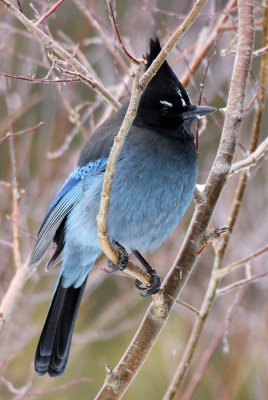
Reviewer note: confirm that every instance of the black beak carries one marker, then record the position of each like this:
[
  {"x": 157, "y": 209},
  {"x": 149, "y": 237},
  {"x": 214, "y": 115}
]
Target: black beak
[{"x": 197, "y": 112}]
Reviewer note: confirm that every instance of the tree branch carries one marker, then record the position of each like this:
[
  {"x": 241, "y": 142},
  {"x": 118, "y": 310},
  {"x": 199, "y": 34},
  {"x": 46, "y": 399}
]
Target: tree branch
[
  {"x": 52, "y": 45},
  {"x": 118, "y": 380},
  {"x": 203, "y": 50},
  {"x": 20, "y": 133},
  {"x": 251, "y": 159},
  {"x": 102, "y": 217},
  {"x": 224, "y": 271},
  {"x": 177, "y": 35},
  {"x": 49, "y": 12}
]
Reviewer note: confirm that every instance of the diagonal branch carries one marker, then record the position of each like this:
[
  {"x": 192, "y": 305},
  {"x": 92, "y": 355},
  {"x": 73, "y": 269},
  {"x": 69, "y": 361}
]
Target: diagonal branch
[
  {"x": 177, "y": 35},
  {"x": 49, "y": 12},
  {"x": 251, "y": 160},
  {"x": 156, "y": 316},
  {"x": 117, "y": 34},
  {"x": 23, "y": 132},
  {"x": 102, "y": 218}
]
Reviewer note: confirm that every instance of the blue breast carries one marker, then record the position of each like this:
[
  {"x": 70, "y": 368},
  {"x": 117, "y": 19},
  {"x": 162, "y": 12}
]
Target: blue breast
[{"x": 153, "y": 186}]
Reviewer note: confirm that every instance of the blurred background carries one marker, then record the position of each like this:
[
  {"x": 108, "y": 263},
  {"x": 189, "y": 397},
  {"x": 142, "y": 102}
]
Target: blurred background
[{"x": 112, "y": 308}]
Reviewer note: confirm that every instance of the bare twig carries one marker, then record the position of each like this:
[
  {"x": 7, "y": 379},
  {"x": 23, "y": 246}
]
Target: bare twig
[
  {"x": 90, "y": 81},
  {"x": 188, "y": 307},
  {"x": 49, "y": 12},
  {"x": 5, "y": 243},
  {"x": 13, "y": 293},
  {"x": 207, "y": 355},
  {"x": 224, "y": 271},
  {"x": 202, "y": 84},
  {"x": 117, "y": 34},
  {"x": 22, "y": 273},
  {"x": 106, "y": 40},
  {"x": 15, "y": 192},
  {"x": 242, "y": 282},
  {"x": 202, "y": 51},
  {"x": 69, "y": 138},
  {"x": 261, "y": 51},
  {"x": 42, "y": 80},
  {"x": 20, "y": 133},
  {"x": 209, "y": 236},
  {"x": 251, "y": 160},
  {"x": 58, "y": 388},
  {"x": 245, "y": 12}
]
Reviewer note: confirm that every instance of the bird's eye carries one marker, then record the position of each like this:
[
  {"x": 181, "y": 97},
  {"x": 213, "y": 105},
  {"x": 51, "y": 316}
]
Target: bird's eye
[{"x": 165, "y": 110}]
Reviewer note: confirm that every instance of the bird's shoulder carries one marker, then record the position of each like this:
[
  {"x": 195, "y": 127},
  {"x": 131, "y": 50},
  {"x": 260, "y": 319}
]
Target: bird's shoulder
[{"x": 100, "y": 143}]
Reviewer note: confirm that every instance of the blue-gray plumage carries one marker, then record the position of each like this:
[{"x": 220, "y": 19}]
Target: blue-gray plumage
[{"x": 153, "y": 185}]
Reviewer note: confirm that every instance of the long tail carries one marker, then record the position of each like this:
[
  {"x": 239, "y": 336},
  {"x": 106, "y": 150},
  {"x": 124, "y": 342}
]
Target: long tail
[{"x": 54, "y": 344}]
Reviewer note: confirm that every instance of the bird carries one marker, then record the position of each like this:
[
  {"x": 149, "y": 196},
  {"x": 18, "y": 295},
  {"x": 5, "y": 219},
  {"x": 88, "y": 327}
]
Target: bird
[{"x": 153, "y": 186}]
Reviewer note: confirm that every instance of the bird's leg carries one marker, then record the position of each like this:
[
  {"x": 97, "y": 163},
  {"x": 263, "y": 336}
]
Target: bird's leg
[
  {"x": 154, "y": 287},
  {"x": 122, "y": 262}
]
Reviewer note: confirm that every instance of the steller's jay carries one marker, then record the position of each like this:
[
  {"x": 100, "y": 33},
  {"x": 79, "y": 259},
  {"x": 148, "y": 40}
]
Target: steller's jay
[{"x": 153, "y": 185}]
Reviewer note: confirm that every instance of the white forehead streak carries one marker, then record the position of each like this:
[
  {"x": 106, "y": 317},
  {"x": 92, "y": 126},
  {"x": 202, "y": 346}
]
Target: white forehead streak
[
  {"x": 166, "y": 103},
  {"x": 182, "y": 99}
]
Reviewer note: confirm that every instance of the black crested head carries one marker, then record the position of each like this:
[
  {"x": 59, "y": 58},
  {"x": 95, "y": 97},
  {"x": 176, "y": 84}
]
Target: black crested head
[
  {"x": 165, "y": 105},
  {"x": 165, "y": 77}
]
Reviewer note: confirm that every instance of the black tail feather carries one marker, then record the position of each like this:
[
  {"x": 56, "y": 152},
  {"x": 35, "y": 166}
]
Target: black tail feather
[{"x": 54, "y": 344}]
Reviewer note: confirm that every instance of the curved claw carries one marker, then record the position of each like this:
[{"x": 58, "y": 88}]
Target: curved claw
[
  {"x": 138, "y": 285},
  {"x": 109, "y": 272},
  {"x": 122, "y": 262},
  {"x": 151, "y": 289}
]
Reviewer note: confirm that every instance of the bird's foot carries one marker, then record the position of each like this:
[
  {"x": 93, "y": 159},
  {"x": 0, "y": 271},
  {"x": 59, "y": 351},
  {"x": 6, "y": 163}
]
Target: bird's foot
[
  {"x": 153, "y": 288},
  {"x": 155, "y": 284},
  {"x": 122, "y": 262}
]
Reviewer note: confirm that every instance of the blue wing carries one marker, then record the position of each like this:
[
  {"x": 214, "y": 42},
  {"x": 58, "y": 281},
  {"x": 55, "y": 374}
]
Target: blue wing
[{"x": 70, "y": 193}]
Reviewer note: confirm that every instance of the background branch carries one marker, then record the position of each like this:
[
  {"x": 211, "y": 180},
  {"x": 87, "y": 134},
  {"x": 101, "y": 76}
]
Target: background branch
[{"x": 53, "y": 46}]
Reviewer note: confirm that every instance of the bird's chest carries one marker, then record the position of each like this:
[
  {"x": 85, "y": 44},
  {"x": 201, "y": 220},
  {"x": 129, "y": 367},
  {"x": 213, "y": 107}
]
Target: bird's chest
[{"x": 151, "y": 192}]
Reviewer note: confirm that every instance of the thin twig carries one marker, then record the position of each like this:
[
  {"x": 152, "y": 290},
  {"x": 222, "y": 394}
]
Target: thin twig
[
  {"x": 251, "y": 159},
  {"x": 117, "y": 34},
  {"x": 90, "y": 81},
  {"x": 202, "y": 85},
  {"x": 20, "y": 133},
  {"x": 42, "y": 80},
  {"x": 203, "y": 50},
  {"x": 188, "y": 307},
  {"x": 49, "y": 12},
  {"x": 106, "y": 39},
  {"x": 207, "y": 355},
  {"x": 242, "y": 282},
  {"x": 15, "y": 191},
  {"x": 224, "y": 271},
  {"x": 13, "y": 293}
]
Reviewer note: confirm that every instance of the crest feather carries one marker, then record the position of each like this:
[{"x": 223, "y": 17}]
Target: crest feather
[
  {"x": 155, "y": 49},
  {"x": 165, "y": 70}
]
